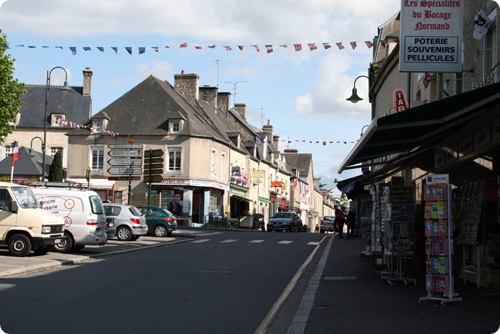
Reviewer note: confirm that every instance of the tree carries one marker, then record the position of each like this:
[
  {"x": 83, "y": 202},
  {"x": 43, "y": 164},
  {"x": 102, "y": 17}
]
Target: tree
[
  {"x": 56, "y": 169},
  {"x": 11, "y": 91}
]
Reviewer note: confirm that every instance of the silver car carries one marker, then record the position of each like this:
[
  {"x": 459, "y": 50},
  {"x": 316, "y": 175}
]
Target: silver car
[{"x": 127, "y": 219}]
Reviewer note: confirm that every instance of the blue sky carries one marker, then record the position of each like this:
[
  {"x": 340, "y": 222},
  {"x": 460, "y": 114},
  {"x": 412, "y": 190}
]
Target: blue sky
[{"x": 301, "y": 93}]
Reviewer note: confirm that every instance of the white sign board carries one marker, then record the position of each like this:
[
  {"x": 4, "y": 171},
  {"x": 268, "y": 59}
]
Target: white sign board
[
  {"x": 125, "y": 162},
  {"x": 431, "y": 36},
  {"x": 124, "y": 171},
  {"x": 125, "y": 153}
]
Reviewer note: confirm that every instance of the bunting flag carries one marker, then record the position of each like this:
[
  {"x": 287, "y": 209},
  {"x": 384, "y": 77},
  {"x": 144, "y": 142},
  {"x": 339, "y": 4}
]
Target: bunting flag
[
  {"x": 326, "y": 46},
  {"x": 73, "y": 50},
  {"x": 228, "y": 48},
  {"x": 354, "y": 45},
  {"x": 169, "y": 47},
  {"x": 115, "y": 49},
  {"x": 340, "y": 46},
  {"x": 129, "y": 49},
  {"x": 240, "y": 47},
  {"x": 383, "y": 43},
  {"x": 298, "y": 47},
  {"x": 256, "y": 48},
  {"x": 304, "y": 141},
  {"x": 212, "y": 46},
  {"x": 369, "y": 44},
  {"x": 100, "y": 48},
  {"x": 142, "y": 50},
  {"x": 197, "y": 47},
  {"x": 312, "y": 46},
  {"x": 427, "y": 79},
  {"x": 86, "y": 48},
  {"x": 15, "y": 153},
  {"x": 183, "y": 45},
  {"x": 155, "y": 48},
  {"x": 269, "y": 48},
  {"x": 284, "y": 45}
]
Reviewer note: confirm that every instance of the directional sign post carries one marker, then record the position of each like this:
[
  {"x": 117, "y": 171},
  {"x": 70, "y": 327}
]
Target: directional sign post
[
  {"x": 125, "y": 153},
  {"x": 125, "y": 162},
  {"x": 124, "y": 171},
  {"x": 153, "y": 166}
]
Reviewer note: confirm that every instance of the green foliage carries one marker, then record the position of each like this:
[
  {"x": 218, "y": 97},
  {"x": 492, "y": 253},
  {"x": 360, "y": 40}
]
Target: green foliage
[
  {"x": 56, "y": 169},
  {"x": 11, "y": 91}
]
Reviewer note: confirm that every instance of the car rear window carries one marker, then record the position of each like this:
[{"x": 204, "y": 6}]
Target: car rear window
[
  {"x": 134, "y": 211},
  {"x": 96, "y": 204},
  {"x": 112, "y": 210}
]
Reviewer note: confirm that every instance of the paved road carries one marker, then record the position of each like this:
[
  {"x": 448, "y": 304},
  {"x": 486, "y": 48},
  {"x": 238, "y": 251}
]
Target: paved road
[{"x": 220, "y": 282}]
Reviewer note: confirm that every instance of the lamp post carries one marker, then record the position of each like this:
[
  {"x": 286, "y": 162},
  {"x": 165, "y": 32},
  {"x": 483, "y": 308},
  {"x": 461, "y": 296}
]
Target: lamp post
[
  {"x": 354, "y": 98},
  {"x": 47, "y": 86}
]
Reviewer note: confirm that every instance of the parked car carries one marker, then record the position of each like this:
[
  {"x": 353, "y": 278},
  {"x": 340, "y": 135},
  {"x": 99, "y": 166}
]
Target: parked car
[
  {"x": 160, "y": 221},
  {"x": 128, "y": 221},
  {"x": 285, "y": 221},
  {"x": 328, "y": 224},
  {"x": 24, "y": 226},
  {"x": 82, "y": 212}
]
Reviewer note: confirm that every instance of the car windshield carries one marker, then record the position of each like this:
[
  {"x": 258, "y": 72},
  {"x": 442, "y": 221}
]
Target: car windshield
[
  {"x": 283, "y": 215},
  {"x": 134, "y": 211},
  {"x": 329, "y": 218},
  {"x": 25, "y": 197}
]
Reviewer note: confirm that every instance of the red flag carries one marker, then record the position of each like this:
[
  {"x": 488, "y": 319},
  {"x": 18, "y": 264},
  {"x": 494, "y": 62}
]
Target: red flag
[
  {"x": 312, "y": 46},
  {"x": 15, "y": 153},
  {"x": 294, "y": 184},
  {"x": 369, "y": 44},
  {"x": 298, "y": 47},
  {"x": 240, "y": 47},
  {"x": 327, "y": 46},
  {"x": 354, "y": 45},
  {"x": 228, "y": 48},
  {"x": 183, "y": 45},
  {"x": 197, "y": 47},
  {"x": 269, "y": 48},
  {"x": 256, "y": 48},
  {"x": 340, "y": 46}
]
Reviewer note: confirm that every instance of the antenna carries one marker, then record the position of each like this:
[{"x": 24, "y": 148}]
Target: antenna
[
  {"x": 262, "y": 117},
  {"x": 234, "y": 89},
  {"x": 217, "y": 84}
]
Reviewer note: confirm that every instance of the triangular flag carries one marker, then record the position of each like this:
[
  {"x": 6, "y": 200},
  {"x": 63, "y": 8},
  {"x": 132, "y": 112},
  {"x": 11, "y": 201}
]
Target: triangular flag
[
  {"x": 228, "y": 48},
  {"x": 326, "y": 46},
  {"x": 86, "y": 48},
  {"x": 312, "y": 46},
  {"x": 100, "y": 48},
  {"x": 269, "y": 48},
  {"x": 169, "y": 47},
  {"x": 155, "y": 48},
  {"x": 183, "y": 45},
  {"x": 142, "y": 49},
  {"x": 369, "y": 44},
  {"x": 256, "y": 47},
  {"x": 284, "y": 45},
  {"x": 115, "y": 49},
  {"x": 354, "y": 45},
  {"x": 340, "y": 46},
  {"x": 212, "y": 46},
  {"x": 240, "y": 47},
  {"x": 129, "y": 49},
  {"x": 298, "y": 47},
  {"x": 73, "y": 50},
  {"x": 197, "y": 47}
]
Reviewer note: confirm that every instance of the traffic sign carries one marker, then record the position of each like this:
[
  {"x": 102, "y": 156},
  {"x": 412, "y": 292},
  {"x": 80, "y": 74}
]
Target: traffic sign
[
  {"x": 154, "y": 178},
  {"x": 123, "y": 178},
  {"x": 124, "y": 171},
  {"x": 125, "y": 162},
  {"x": 128, "y": 147},
  {"x": 125, "y": 153},
  {"x": 153, "y": 166}
]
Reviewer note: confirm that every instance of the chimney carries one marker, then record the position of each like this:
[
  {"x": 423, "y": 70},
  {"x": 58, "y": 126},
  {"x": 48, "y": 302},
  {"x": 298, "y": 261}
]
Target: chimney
[
  {"x": 223, "y": 102},
  {"x": 276, "y": 142},
  {"x": 186, "y": 85},
  {"x": 87, "y": 81},
  {"x": 241, "y": 108},
  {"x": 268, "y": 129},
  {"x": 209, "y": 95}
]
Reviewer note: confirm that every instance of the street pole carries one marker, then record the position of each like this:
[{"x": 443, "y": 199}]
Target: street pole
[{"x": 150, "y": 172}]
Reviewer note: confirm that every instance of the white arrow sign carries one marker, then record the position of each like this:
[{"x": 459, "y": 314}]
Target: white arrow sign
[
  {"x": 124, "y": 171},
  {"x": 125, "y": 162},
  {"x": 125, "y": 153}
]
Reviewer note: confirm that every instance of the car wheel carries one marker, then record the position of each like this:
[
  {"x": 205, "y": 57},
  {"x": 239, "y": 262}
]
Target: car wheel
[
  {"x": 160, "y": 231},
  {"x": 19, "y": 245},
  {"x": 124, "y": 233},
  {"x": 65, "y": 245}
]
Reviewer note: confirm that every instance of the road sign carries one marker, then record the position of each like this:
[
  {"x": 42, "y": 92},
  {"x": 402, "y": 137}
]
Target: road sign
[
  {"x": 127, "y": 147},
  {"x": 153, "y": 166},
  {"x": 124, "y": 171},
  {"x": 123, "y": 178},
  {"x": 125, "y": 162},
  {"x": 125, "y": 153},
  {"x": 154, "y": 178}
]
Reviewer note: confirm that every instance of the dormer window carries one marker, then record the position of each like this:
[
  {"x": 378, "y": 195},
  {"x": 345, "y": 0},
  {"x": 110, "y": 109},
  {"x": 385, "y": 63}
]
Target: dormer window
[
  {"x": 98, "y": 125},
  {"x": 57, "y": 120},
  {"x": 175, "y": 126}
]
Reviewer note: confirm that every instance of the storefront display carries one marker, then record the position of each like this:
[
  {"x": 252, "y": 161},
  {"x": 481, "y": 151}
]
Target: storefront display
[{"x": 439, "y": 281}]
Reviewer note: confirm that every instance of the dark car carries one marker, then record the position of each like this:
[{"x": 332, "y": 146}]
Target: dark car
[
  {"x": 161, "y": 222},
  {"x": 285, "y": 221}
]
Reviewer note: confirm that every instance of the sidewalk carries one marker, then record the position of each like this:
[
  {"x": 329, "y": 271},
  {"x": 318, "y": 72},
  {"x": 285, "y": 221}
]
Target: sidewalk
[{"x": 352, "y": 298}]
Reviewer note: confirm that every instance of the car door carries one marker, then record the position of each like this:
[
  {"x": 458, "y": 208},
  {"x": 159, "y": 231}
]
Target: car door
[{"x": 7, "y": 218}]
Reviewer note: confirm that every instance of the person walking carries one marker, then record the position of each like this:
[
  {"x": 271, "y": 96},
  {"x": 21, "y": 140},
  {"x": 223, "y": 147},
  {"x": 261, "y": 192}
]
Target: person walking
[
  {"x": 340, "y": 219},
  {"x": 351, "y": 222}
]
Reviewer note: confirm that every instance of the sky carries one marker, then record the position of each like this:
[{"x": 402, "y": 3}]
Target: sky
[{"x": 301, "y": 93}]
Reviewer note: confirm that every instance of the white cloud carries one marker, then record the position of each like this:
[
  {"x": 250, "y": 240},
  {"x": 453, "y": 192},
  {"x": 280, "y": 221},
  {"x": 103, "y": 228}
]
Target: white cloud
[{"x": 160, "y": 69}]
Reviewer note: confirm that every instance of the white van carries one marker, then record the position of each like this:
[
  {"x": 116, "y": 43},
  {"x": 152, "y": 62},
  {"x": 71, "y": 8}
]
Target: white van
[
  {"x": 24, "y": 226},
  {"x": 83, "y": 214}
]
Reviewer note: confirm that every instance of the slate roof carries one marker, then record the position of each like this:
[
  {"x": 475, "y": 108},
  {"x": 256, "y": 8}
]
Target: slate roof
[
  {"x": 146, "y": 109},
  {"x": 302, "y": 162},
  {"x": 75, "y": 106},
  {"x": 26, "y": 165}
]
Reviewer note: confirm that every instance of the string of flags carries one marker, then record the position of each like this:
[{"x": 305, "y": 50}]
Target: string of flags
[
  {"x": 303, "y": 141},
  {"x": 73, "y": 125},
  {"x": 142, "y": 49}
]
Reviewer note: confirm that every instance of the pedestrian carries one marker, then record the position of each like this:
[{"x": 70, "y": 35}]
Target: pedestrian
[
  {"x": 316, "y": 230},
  {"x": 351, "y": 222},
  {"x": 340, "y": 218}
]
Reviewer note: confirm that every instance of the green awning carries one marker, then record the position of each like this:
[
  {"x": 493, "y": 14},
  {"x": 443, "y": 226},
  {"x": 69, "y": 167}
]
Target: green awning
[{"x": 421, "y": 126}]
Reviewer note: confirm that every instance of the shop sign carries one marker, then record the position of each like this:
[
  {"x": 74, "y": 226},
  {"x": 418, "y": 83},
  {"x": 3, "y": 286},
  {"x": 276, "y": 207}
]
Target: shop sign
[
  {"x": 195, "y": 183},
  {"x": 263, "y": 199},
  {"x": 236, "y": 171},
  {"x": 438, "y": 178},
  {"x": 431, "y": 36},
  {"x": 399, "y": 101},
  {"x": 276, "y": 184},
  {"x": 237, "y": 192},
  {"x": 258, "y": 174}
]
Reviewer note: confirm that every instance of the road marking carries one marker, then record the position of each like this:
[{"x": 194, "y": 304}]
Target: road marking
[
  {"x": 313, "y": 243},
  {"x": 228, "y": 241},
  {"x": 214, "y": 271},
  {"x": 340, "y": 278},
  {"x": 205, "y": 234},
  {"x": 285, "y": 242},
  {"x": 256, "y": 241},
  {"x": 200, "y": 241}
]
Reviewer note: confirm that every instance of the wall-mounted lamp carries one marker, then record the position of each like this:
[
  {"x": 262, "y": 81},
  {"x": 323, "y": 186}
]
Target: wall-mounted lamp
[
  {"x": 363, "y": 129},
  {"x": 354, "y": 98}
]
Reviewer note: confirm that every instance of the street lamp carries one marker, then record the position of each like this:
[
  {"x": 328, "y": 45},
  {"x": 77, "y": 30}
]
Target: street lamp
[
  {"x": 47, "y": 86},
  {"x": 354, "y": 98},
  {"x": 31, "y": 153}
]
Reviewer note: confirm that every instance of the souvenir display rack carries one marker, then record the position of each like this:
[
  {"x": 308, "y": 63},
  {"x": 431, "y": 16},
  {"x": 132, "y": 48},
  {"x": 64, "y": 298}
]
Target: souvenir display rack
[
  {"x": 398, "y": 217},
  {"x": 439, "y": 244}
]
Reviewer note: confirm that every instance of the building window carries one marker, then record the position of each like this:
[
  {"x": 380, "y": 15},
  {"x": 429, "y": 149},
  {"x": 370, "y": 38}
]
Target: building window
[
  {"x": 176, "y": 126},
  {"x": 174, "y": 159},
  {"x": 97, "y": 158},
  {"x": 8, "y": 150},
  {"x": 98, "y": 125},
  {"x": 213, "y": 158},
  {"x": 222, "y": 165},
  {"x": 54, "y": 150},
  {"x": 57, "y": 120}
]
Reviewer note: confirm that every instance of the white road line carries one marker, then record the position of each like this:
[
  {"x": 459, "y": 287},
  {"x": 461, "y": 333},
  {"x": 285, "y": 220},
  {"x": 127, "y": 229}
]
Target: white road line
[
  {"x": 200, "y": 241},
  {"x": 256, "y": 241},
  {"x": 205, "y": 234},
  {"x": 285, "y": 242},
  {"x": 312, "y": 243},
  {"x": 228, "y": 241}
]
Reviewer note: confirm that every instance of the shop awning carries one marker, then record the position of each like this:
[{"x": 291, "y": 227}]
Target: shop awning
[
  {"x": 97, "y": 184},
  {"x": 421, "y": 126}
]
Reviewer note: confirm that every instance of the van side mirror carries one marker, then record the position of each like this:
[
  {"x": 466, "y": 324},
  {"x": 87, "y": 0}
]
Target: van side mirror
[{"x": 13, "y": 207}]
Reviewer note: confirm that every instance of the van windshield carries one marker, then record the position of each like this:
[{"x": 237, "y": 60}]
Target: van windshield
[
  {"x": 25, "y": 197},
  {"x": 96, "y": 204}
]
